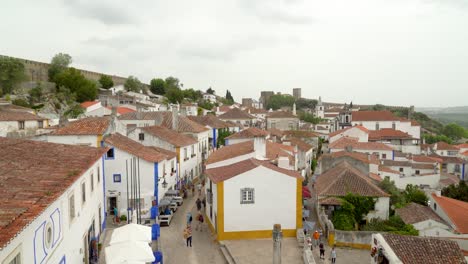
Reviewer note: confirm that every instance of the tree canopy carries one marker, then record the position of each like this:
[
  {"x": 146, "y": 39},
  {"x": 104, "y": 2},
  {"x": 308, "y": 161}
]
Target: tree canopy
[
  {"x": 210, "y": 91},
  {"x": 304, "y": 103},
  {"x": 457, "y": 191},
  {"x": 229, "y": 97},
  {"x": 106, "y": 81},
  {"x": 454, "y": 131},
  {"x": 73, "y": 80},
  {"x": 280, "y": 100},
  {"x": 172, "y": 82},
  {"x": 353, "y": 209},
  {"x": 58, "y": 64},
  {"x": 11, "y": 74},
  {"x": 157, "y": 86},
  {"x": 132, "y": 84},
  {"x": 174, "y": 95},
  {"x": 309, "y": 118}
]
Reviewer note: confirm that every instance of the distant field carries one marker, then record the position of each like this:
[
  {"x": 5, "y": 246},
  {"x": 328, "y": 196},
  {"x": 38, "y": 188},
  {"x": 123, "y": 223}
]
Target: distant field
[{"x": 447, "y": 118}]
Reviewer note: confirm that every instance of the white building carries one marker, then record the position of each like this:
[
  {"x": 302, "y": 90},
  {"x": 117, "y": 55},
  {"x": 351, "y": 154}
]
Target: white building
[
  {"x": 157, "y": 173},
  {"x": 95, "y": 108},
  {"x": 237, "y": 116},
  {"x": 241, "y": 192},
  {"x": 51, "y": 202},
  {"x": 209, "y": 97},
  {"x": 214, "y": 124},
  {"x": 247, "y": 134},
  {"x": 359, "y": 132},
  {"x": 17, "y": 122},
  {"x": 408, "y": 172},
  {"x": 353, "y": 144}
]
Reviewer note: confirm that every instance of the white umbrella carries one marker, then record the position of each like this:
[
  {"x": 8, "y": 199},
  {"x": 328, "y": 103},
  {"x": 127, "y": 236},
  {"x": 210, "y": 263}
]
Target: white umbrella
[
  {"x": 131, "y": 232},
  {"x": 134, "y": 217},
  {"x": 130, "y": 251}
]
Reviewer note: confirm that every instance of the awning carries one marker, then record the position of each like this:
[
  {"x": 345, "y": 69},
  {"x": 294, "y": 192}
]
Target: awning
[{"x": 130, "y": 251}]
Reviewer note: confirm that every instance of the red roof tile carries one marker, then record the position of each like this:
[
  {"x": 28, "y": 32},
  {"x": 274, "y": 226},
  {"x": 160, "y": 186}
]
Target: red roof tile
[
  {"x": 224, "y": 173},
  {"x": 388, "y": 170},
  {"x": 414, "y": 249},
  {"x": 444, "y": 146},
  {"x": 130, "y": 146},
  {"x": 184, "y": 124},
  {"x": 373, "y": 116},
  {"x": 343, "y": 179},
  {"x": 414, "y": 213},
  {"x": 464, "y": 145},
  {"x": 250, "y": 132},
  {"x": 344, "y": 142},
  {"x": 301, "y": 144},
  {"x": 89, "y": 103},
  {"x": 33, "y": 175},
  {"x": 236, "y": 114},
  {"x": 422, "y": 158},
  {"x": 369, "y": 159},
  {"x": 363, "y": 129},
  {"x": 12, "y": 113},
  {"x": 209, "y": 120},
  {"x": 231, "y": 151},
  {"x": 170, "y": 136},
  {"x": 456, "y": 210},
  {"x": 387, "y": 134},
  {"x": 275, "y": 132},
  {"x": 300, "y": 134},
  {"x": 85, "y": 126},
  {"x": 122, "y": 110}
]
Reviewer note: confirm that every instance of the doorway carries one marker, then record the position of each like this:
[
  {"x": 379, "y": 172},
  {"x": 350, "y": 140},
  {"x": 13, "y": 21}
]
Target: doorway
[{"x": 112, "y": 204}]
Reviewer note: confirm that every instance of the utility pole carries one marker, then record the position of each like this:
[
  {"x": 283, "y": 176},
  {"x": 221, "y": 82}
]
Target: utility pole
[{"x": 277, "y": 236}]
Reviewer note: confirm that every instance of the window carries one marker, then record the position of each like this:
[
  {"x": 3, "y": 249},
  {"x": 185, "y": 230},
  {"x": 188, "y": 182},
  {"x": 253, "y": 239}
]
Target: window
[
  {"x": 384, "y": 156},
  {"x": 417, "y": 172},
  {"x": 20, "y": 125},
  {"x": 185, "y": 154},
  {"x": 110, "y": 154},
  {"x": 40, "y": 124},
  {"x": 98, "y": 174},
  {"x": 377, "y": 126},
  {"x": 141, "y": 136},
  {"x": 83, "y": 192},
  {"x": 100, "y": 219},
  {"x": 435, "y": 207},
  {"x": 48, "y": 236},
  {"x": 401, "y": 169},
  {"x": 117, "y": 178},
  {"x": 247, "y": 196},
  {"x": 273, "y": 125},
  {"x": 15, "y": 257},
  {"x": 71, "y": 207},
  {"x": 193, "y": 150},
  {"x": 92, "y": 181},
  {"x": 393, "y": 125}
]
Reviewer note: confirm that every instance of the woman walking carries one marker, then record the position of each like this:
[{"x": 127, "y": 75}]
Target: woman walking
[
  {"x": 333, "y": 255},
  {"x": 188, "y": 235}
]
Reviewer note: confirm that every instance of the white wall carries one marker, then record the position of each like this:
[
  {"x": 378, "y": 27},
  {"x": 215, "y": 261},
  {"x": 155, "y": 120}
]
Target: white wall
[
  {"x": 414, "y": 131},
  {"x": 352, "y": 132},
  {"x": 30, "y": 127},
  {"x": 88, "y": 140},
  {"x": 432, "y": 228},
  {"x": 232, "y": 141},
  {"x": 275, "y": 201},
  {"x": 381, "y": 211},
  {"x": 68, "y": 236},
  {"x": 97, "y": 111}
]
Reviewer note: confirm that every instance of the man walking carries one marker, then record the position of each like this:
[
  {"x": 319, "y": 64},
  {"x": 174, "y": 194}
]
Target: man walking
[
  {"x": 322, "y": 251},
  {"x": 188, "y": 235},
  {"x": 116, "y": 215},
  {"x": 204, "y": 203},
  {"x": 189, "y": 218},
  {"x": 199, "y": 204},
  {"x": 316, "y": 236}
]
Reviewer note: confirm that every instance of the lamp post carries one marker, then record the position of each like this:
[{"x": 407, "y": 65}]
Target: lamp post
[{"x": 277, "y": 236}]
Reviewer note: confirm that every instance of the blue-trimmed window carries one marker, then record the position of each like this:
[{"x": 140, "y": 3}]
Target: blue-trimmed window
[
  {"x": 110, "y": 154},
  {"x": 117, "y": 178}
]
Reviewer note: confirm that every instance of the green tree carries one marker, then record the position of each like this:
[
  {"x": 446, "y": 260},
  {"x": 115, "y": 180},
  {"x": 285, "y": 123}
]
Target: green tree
[
  {"x": 73, "y": 80},
  {"x": 362, "y": 205},
  {"x": 222, "y": 134},
  {"x": 431, "y": 139},
  {"x": 205, "y": 104},
  {"x": 309, "y": 118},
  {"x": 210, "y": 91},
  {"x": 174, "y": 95},
  {"x": 304, "y": 103},
  {"x": 229, "y": 97},
  {"x": 11, "y": 74},
  {"x": 454, "y": 131},
  {"x": 157, "y": 86},
  {"x": 106, "y": 81},
  {"x": 280, "y": 100},
  {"x": 21, "y": 102},
  {"x": 397, "y": 199},
  {"x": 58, "y": 64},
  {"x": 63, "y": 103},
  {"x": 393, "y": 225},
  {"x": 413, "y": 194},
  {"x": 192, "y": 94},
  {"x": 172, "y": 82},
  {"x": 457, "y": 191},
  {"x": 132, "y": 84}
]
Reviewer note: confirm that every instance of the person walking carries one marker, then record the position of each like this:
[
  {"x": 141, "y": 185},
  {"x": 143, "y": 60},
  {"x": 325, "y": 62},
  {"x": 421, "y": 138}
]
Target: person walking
[
  {"x": 116, "y": 215},
  {"x": 320, "y": 233},
  {"x": 199, "y": 222},
  {"x": 188, "y": 235},
  {"x": 204, "y": 203},
  {"x": 199, "y": 204},
  {"x": 322, "y": 251},
  {"x": 316, "y": 237},
  {"x": 199, "y": 187},
  {"x": 189, "y": 218},
  {"x": 333, "y": 255}
]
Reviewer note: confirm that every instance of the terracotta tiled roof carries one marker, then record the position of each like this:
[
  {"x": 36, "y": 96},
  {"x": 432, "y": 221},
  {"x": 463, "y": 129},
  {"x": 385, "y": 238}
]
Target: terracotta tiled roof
[
  {"x": 369, "y": 159},
  {"x": 422, "y": 158},
  {"x": 275, "y": 150},
  {"x": 373, "y": 116},
  {"x": 330, "y": 201},
  {"x": 396, "y": 163},
  {"x": 227, "y": 172},
  {"x": 10, "y": 113},
  {"x": 300, "y": 133},
  {"x": 388, "y": 170},
  {"x": 231, "y": 151},
  {"x": 456, "y": 210},
  {"x": 275, "y": 132},
  {"x": 301, "y": 145},
  {"x": 236, "y": 114},
  {"x": 169, "y": 154},
  {"x": 281, "y": 114},
  {"x": 254, "y": 110},
  {"x": 85, "y": 126},
  {"x": 375, "y": 177},
  {"x": 464, "y": 145},
  {"x": 184, "y": 124},
  {"x": 444, "y": 146},
  {"x": 465, "y": 153},
  {"x": 344, "y": 142},
  {"x": 33, "y": 175},
  {"x": 122, "y": 110},
  {"x": 89, "y": 103},
  {"x": 170, "y": 136},
  {"x": 414, "y": 249},
  {"x": 414, "y": 213},
  {"x": 209, "y": 120},
  {"x": 126, "y": 144},
  {"x": 250, "y": 132},
  {"x": 343, "y": 179},
  {"x": 445, "y": 159},
  {"x": 415, "y": 123},
  {"x": 448, "y": 180},
  {"x": 142, "y": 115},
  {"x": 423, "y": 166},
  {"x": 223, "y": 108},
  {"x": 363, "y": 129},
  {"x": 333, "y": 110},
  {"x": 330, "y": 115},
  {"x": 388, "y": 134}
]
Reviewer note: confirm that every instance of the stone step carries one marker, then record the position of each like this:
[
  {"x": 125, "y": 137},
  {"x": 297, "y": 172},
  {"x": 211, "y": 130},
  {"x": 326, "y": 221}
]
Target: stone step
[{"x": 227, "y": 255}]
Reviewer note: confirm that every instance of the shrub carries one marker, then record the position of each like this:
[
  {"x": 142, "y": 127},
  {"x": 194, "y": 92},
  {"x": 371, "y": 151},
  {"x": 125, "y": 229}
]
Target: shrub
[{"x": 123, "y": 218}]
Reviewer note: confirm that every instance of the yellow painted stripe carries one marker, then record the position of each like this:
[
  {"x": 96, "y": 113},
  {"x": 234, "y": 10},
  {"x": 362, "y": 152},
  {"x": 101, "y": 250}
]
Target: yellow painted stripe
[
  {"x": 220, "y": 210},
  {"x": 299, "y": 204}
]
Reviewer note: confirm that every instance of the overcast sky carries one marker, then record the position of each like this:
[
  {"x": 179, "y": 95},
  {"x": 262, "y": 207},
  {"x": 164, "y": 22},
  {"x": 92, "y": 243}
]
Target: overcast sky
[{"x": 398, "y": 52}]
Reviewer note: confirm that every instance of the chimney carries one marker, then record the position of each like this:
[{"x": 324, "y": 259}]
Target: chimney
[
  {"x": 260, "y": 148},
  {"x": 175, "y": 119},
  {"x": 294, "y": 109},
  {"x": 283, "y": 162}
]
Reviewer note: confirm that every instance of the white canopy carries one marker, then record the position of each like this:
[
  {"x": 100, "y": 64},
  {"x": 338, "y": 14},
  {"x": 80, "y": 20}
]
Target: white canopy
[
  {"x": 131, "y": 232},
  {"x": 129, "y": 252}
]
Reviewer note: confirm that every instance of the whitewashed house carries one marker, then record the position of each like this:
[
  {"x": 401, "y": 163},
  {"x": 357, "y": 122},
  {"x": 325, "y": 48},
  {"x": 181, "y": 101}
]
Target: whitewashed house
[
  {"x": 185, "y": 147},
  {"x": 239, "y": 117},
  {"x": 209, "y": 97},
  {"x": 244, "y": 135},
  {"x": 214, "y": 124},
  {"x": 425, "y": 174},
  {"x": 247, "y": 194},
  {"x": 95, "y": 108},
  {"x": 157, "y": 173},
  {"x": 51, "y": 202},
  {"x": 20, "y": 122},
  {"x": 359, "y": 132}
]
